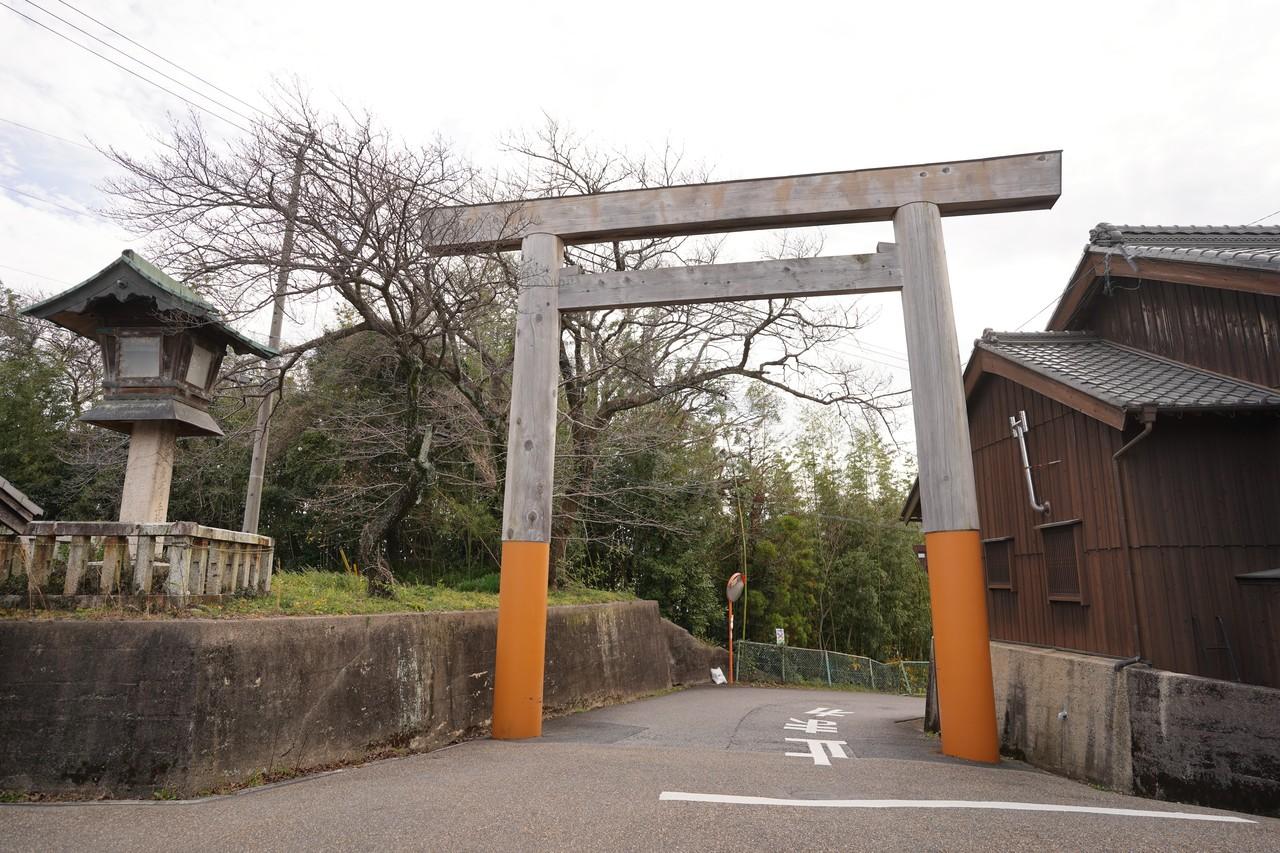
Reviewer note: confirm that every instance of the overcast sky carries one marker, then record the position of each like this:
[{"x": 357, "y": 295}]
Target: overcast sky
[{"x": 1167, "y": 112}]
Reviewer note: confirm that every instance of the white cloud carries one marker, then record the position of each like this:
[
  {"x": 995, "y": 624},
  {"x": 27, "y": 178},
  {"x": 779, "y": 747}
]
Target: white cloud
[{"x": 1162, "y": 108}]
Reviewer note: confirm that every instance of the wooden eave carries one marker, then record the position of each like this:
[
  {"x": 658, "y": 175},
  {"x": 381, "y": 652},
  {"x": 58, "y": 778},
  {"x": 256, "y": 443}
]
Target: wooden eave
[
  {"x": 985, "y": 361},
  {"x": 1092, "y": 269}
]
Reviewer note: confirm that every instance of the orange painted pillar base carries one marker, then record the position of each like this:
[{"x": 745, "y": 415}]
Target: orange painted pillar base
[
  {"x": 522, "y": 639},
  {"x": 958, "y": 596}
]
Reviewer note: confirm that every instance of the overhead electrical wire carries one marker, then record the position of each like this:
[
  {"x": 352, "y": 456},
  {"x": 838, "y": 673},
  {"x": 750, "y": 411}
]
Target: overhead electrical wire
[
  {"x": 149, "y": 67},
  {"x": 35, "y": 274},
  {"x": 1046, "y": 307},
  {"x": 88, "y": 213},
  {"x": 187, "y": 71},
  {"x": 65, "y": 37},
  {"x": 50, "y": 135}
]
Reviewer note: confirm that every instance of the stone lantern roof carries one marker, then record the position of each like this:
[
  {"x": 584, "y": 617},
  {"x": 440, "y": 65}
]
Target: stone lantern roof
[
  {"x": 162, "y": 345},
  {"x": 132, "y": 277}
]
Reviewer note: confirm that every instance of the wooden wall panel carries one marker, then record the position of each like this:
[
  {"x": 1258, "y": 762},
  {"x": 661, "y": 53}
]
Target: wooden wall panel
[
  {"x": 1071, "y": 458},
  {"x": 1227, "y": 331},
  {"x": 1204, "y": 506}
]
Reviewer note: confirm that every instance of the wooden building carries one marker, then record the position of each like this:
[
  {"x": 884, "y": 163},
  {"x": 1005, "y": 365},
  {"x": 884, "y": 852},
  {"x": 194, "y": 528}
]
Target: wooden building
[{"x": 1153, "y": 437}]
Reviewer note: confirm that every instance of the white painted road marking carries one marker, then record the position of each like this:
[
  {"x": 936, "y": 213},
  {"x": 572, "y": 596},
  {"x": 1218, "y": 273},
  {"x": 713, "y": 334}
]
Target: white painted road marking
[
  {"x": 811, "y": 727},
  {"x": 818, "y": 750},
  {"x": 828, "y": 712},
  {"x": 683, "y": 796}
]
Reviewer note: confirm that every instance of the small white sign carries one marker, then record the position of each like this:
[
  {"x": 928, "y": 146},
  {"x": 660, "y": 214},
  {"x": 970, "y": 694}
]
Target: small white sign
[
  {"x": 780, "y": 636},
  {"x": 718, "y": 676}
]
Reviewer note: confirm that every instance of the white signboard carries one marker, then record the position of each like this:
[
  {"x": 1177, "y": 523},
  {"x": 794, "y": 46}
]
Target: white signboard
[
  {"x": 780, "y": 635},
  {"x": 717, "y": 675}
]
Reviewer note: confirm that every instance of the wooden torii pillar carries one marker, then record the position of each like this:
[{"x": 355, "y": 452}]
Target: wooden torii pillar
[{"x": 915, "y": 198}]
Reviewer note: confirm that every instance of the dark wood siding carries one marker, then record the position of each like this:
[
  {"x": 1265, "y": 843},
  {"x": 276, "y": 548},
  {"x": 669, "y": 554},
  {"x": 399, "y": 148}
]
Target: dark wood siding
[
  {"x": 1203, "y": 500},
  {"x": 1072, "y": 458},
  {"x": 1226, "y": 331}
]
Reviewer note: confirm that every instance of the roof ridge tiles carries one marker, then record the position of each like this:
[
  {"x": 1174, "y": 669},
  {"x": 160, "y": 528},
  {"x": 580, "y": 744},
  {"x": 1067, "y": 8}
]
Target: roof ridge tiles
[
  {"x": 1085, "y": 336},
  {"x": 1203, "y": 236}
]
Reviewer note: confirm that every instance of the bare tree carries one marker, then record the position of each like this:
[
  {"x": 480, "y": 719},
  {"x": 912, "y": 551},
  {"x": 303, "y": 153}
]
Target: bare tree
[
  {"x": 217, "y": 218},
  {"x": 617, "y": 361}
]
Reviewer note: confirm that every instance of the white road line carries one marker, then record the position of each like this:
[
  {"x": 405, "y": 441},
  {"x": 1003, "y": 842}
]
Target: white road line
[{"x": 734, "y": 799}]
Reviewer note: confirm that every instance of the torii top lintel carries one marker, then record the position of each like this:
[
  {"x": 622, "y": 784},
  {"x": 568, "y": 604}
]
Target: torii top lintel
[{"x": 990, "y": 185}]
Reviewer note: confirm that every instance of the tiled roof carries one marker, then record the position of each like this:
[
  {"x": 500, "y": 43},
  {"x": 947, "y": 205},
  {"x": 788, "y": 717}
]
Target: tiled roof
[
  {"x": 1250, "y": 246},
  {"x": 1124, "y": 377}
]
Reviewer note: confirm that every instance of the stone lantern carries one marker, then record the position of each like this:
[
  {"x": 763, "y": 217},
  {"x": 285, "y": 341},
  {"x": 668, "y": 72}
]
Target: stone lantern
[{"x": 161, "y": 346}]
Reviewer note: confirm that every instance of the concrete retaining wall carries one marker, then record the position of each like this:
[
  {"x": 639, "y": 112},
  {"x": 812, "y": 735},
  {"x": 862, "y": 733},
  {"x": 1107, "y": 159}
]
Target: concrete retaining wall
[
  {"x": 1205, "y": 741},
  {"x": 127, "y": 707},
  {"x": 1065, "y": 712},
  {"x": 1156, "y": 733}
]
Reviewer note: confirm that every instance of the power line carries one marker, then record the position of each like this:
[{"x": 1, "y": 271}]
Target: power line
[
  {"x": 1038, "y": 313},
  {"x": 1260, "y": 218},
  {"x": 158, "y": 56},
  {"x": 35, "y": 274},
  {"x": 127, "y": 55},
  {"x": 50, "y": 135},
  {"x": 88, "y": 213},
  {"x": 123, "y": 68}
]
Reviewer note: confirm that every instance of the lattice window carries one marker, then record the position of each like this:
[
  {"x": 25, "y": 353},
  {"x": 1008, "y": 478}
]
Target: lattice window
[
  {"x": 997, "y": 554},
  {"x": 1062, "y": 560}
]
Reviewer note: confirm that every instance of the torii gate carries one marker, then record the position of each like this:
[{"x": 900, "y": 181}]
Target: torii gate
[{"x": 915, "y": 198}]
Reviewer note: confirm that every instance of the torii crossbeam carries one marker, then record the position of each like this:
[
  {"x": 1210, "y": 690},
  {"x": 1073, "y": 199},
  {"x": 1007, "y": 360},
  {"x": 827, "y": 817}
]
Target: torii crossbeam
[{"x": 915, "y": 198}]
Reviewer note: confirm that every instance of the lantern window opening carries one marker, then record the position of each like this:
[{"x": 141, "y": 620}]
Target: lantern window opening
[
  {"x": 139, "y": 356},
  {"x": 200, "y": 366}
]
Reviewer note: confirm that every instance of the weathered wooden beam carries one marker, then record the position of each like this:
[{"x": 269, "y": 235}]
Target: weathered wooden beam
[
  {"x": 738, "y": 282},
  {"x": 948, "y": 495},
  {"x": 535, "y": 382},
  {"x": 526, "y": 508},
  {"x": 990, "y": 185}
]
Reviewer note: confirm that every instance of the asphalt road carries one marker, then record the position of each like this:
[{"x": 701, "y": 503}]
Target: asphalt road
[{"x": 635, "y": 777}]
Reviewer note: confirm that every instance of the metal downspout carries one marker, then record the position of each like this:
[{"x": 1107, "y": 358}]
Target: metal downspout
[
  {"x": 1148, "y": 424},
  {"x": 1020, "y": 429}
]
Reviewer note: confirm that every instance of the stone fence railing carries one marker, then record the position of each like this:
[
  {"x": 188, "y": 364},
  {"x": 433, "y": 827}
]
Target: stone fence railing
[{"x": 176, "y": 558}]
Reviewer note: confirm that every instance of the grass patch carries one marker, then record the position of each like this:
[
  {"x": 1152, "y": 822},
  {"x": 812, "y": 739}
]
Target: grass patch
[{"x": 320, "y": 593}]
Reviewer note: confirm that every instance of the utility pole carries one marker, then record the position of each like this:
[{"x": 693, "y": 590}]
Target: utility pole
[{"x": 261, "y": 431}]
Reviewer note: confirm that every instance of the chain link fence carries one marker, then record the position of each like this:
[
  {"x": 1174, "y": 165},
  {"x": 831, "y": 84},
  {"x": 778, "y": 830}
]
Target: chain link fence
[{"x": 788, "y": 665}]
